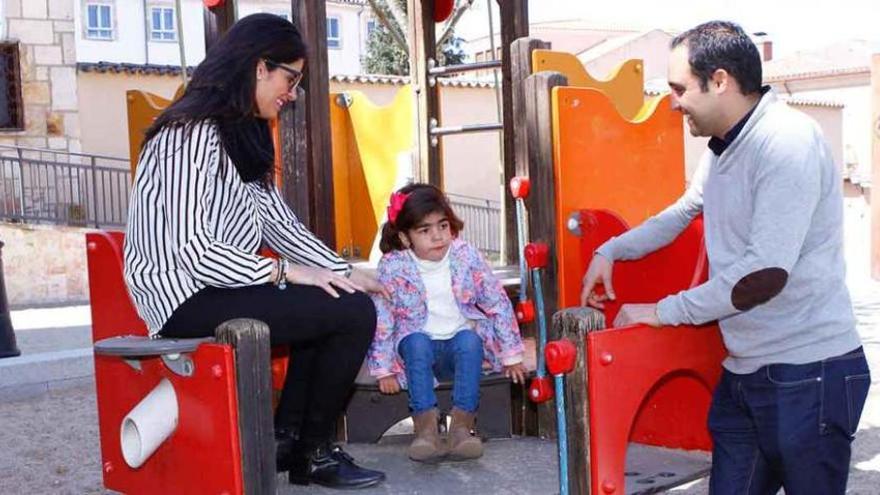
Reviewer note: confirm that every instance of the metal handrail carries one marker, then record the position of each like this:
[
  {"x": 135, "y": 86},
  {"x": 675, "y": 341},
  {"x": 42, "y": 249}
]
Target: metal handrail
[{"x": 459, "y": 68}]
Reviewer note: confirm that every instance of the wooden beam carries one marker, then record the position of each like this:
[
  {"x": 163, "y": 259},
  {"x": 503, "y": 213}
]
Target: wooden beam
[
  {"x": 218, "y": 20},
  {"x": 310, "y": 133},
  {"x": 422, "y": 47},
  {"x": 875, "y": 167},
  {"x": 514, "y": 24}
]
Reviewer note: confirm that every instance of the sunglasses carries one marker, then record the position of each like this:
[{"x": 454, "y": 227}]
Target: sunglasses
[{"x": 295, "y": 75}]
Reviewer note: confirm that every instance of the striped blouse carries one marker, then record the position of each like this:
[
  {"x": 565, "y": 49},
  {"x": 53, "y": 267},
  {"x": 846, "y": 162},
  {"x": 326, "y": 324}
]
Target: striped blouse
[{"x": 192, "y": 225}]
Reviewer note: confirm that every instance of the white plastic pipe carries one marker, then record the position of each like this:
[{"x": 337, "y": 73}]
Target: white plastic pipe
[{"x": 149, "y": 424}]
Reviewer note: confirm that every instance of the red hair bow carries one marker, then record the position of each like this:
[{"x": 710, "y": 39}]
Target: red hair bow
[{"x": 396, "y": 204}]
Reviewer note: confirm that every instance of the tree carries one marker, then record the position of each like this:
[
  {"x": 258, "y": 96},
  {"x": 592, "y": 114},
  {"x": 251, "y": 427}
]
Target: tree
[{"x": 387, "y": 51}]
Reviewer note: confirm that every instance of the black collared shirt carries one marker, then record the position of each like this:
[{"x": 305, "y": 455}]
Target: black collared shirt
[{"x": 718, "y": 145}]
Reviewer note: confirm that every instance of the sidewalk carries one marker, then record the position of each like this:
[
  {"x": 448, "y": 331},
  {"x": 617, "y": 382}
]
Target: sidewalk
[{"x": 56, "y": 352}]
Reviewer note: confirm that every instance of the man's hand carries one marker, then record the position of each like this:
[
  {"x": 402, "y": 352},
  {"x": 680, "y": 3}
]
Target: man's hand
[
  {"x": 367, "y": 280},
  {"x": 389, "y": 385},
  {"x": 599, "y": 272},
  {"x": 516, "y": 373},
  {"x": 634, "y": 314}
]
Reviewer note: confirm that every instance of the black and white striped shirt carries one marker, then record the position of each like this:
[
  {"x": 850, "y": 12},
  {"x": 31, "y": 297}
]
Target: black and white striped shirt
[{"x": 190, "y": 226}]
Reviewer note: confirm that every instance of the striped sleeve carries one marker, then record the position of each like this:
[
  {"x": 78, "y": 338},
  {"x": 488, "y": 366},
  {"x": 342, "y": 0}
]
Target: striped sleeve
[
  {"x": 193, "y": 190},
  {"x": 284, "y": 233}
]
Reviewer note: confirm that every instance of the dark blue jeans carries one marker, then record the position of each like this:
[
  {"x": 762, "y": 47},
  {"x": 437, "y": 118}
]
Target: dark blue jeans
[
  {"x": 788, "y": 426},
  {"x": 459, "y": 358}
]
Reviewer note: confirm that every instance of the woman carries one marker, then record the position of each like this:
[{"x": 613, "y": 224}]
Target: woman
[{"x": 203, "y": 202}]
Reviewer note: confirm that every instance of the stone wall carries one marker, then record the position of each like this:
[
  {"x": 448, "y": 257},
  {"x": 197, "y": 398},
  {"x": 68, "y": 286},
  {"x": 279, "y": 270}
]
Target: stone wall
[
  {"x": 45, "y": 31},
  {"x": 44, "y": 265}
]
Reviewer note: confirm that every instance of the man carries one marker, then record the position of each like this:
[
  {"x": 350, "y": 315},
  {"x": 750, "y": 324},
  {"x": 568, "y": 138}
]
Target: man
[{"x": 788, "y": 403}]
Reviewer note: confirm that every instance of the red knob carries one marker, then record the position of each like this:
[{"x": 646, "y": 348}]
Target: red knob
[
  {"x": 537, "y": 254},
  {"x": 541, "y": 389},
  {"x": 519, "y": 187},
  {"x": 525, "y": 312},
  {"x": 213, "y": 4},
  {"x": 560, "y": 355}
]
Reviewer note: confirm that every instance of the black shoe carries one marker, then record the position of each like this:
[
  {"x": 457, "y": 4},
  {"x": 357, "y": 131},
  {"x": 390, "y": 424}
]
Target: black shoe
[{"x": 328, "y": 465}]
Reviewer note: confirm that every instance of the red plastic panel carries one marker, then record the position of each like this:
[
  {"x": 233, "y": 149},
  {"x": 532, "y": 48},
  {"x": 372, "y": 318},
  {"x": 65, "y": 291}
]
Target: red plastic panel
[
  {"x": 202, "y": 455},
  {"x": 112, "y": 311},
  {"x": 648, "y": 385}
]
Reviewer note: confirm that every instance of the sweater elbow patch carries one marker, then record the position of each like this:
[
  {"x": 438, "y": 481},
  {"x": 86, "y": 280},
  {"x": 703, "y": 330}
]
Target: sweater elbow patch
[{"x": 758, "y": 287}]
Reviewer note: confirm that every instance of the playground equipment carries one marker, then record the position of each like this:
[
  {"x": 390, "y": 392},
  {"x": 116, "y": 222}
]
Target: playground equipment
[
  {"x": 640, "y": 391},
  {"x": 210, "y": 396},
  {"x": 536, "y": 255},
  {"x": 525, "y": 309},
  {"x": 560, "y": 356}
]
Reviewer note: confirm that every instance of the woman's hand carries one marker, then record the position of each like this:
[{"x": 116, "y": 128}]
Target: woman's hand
[
  {"x": 389, "y": 385},
  {"x": 516, "y": 372},
  {"x": 321, "y": 277},
  {"x": 367, "y": 279}
]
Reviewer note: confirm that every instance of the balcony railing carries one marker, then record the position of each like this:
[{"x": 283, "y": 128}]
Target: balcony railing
[{"x": 59, "y": 187}]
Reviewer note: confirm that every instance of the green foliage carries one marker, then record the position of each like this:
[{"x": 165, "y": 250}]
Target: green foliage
[{"x": 385, "y": 56}]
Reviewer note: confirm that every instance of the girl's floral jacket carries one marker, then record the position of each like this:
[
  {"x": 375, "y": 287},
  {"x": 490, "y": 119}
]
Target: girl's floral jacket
[{"x": 480, "y": 298}]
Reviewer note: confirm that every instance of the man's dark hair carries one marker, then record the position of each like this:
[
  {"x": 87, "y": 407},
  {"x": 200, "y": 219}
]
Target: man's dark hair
[{"x": 722, "y": 45}]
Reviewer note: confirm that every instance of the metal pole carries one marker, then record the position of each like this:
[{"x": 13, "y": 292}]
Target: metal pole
[
  {"x": 500, "y": 136},
  {"x": 179, "y": 18},
  {"x": 94, "y": 191},
  {"x": 8, "y": 347}
]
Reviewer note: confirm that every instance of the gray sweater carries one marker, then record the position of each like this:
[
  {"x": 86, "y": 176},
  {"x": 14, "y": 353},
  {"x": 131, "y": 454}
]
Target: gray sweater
[{"x": 772, "y": 207}]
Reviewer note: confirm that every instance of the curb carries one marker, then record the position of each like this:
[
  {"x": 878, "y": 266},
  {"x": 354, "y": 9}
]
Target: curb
[{"x": 36, "y": 375}]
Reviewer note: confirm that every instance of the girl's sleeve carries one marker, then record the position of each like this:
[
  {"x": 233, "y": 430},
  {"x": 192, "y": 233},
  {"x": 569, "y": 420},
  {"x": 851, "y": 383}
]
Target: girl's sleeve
[
  {"x": 380, "y": 357},
  {"x": 493, "y": 301}
]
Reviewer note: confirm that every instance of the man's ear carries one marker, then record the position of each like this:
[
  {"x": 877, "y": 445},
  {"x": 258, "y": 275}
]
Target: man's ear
[{"x": 720, "y": 81}]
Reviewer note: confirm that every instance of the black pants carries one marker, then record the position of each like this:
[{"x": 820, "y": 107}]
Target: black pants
[{"x": 328, "y": 341}]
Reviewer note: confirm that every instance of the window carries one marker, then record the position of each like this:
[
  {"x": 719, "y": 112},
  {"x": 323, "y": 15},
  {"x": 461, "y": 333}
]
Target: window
[
  {"x": 11, "y": 114},
  {"x": 334, "y": 37},
  {"x": 162, "y": 24},
  {"x": 371, "y": 26},
  {"x": 99, "y": 21}
]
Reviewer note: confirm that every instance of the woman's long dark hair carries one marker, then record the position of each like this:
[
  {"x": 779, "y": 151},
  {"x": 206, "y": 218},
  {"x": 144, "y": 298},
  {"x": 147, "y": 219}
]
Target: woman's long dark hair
[
  {"x": 223, "y": 86},
  {"x": 423, "y": 200}
]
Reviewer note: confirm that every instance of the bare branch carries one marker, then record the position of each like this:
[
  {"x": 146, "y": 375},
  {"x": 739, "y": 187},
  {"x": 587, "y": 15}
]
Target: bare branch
[
  {"x": 381, "y": 9},
  {"x": 450, "y": 25}
]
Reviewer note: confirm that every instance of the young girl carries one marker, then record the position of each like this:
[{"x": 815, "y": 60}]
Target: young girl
[{"x": 447, "y": 317}]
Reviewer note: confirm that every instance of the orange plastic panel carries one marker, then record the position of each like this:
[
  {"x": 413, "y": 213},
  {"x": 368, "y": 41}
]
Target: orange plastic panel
[
  {"x": 624, "y": 85},
  {"x": 143, "y": 108},
  {"x": 634, "y": 168}
]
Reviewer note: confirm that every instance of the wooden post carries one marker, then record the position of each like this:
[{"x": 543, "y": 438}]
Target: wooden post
[
  {"x": 423, "y": 47},
  {"x": 253, "y": 379},
  {"x": 218, "y": 20},
  {"x": 295, "y": 178},
  {"x": 875, "y": 167},
  {"x": 514, "y": 25},
  {"x": 541, "y": 201},
  {"x": 310, "y": 134},
  {"x": 574, "y": 324}
]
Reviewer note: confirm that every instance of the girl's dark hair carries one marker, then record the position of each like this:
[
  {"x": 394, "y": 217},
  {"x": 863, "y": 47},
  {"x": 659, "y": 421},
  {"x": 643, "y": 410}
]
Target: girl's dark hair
[
  {"x": 223, "y": 86},
  {"x": 423, "y": 200}
]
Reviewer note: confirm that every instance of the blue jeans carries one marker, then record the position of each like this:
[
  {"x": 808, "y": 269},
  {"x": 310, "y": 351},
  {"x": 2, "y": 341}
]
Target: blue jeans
[
  {"x": 788, "y": 426},
  {"x": 459, "y": 358}
]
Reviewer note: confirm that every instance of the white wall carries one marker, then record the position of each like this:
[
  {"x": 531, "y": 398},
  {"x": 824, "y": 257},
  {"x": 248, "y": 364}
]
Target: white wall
[
  {"x": 131, "y": 25},
  {"x": 130, "y": 31}
]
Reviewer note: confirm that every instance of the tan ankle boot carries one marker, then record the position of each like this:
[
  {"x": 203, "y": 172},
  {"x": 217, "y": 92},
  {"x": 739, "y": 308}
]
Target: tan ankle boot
[
  {"x": 426, "y": 446},
  {"x": 462, "y": 444}
]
